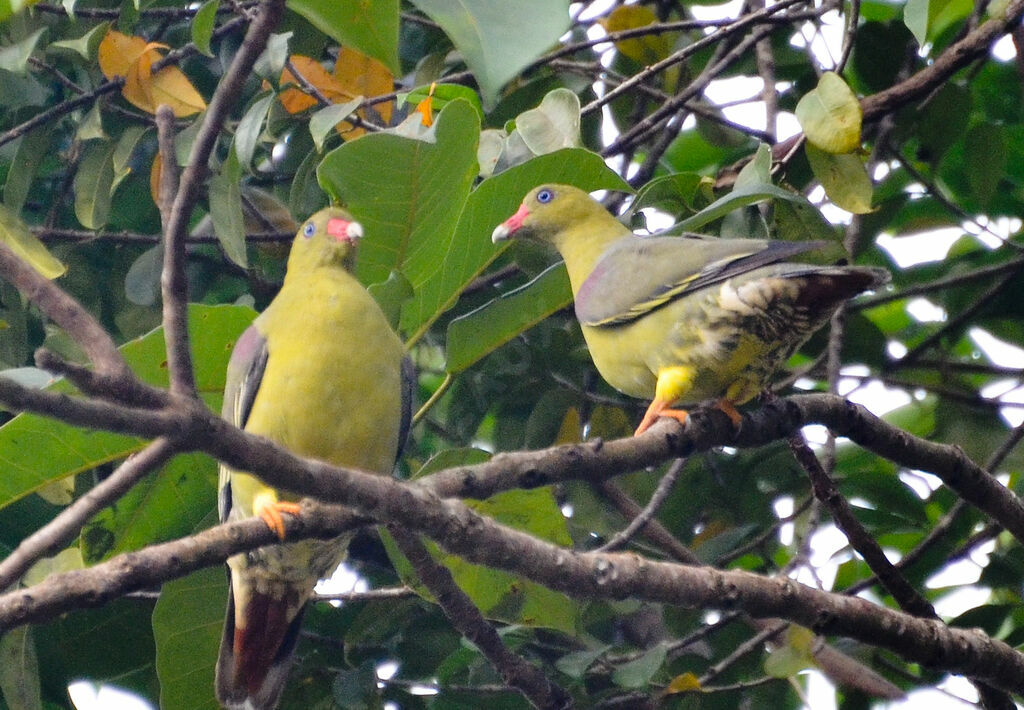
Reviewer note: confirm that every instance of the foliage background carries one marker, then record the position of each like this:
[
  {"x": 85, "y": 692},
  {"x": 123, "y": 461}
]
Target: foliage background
[{"x": 931, "y": 138}]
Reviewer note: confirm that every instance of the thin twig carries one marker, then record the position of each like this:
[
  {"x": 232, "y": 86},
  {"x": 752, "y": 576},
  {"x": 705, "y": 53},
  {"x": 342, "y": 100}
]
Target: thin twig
[{"x": 640, "y": 520}]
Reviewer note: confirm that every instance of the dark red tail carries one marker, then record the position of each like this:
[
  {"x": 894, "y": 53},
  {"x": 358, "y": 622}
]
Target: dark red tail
[{"x": 254, "y": 659}]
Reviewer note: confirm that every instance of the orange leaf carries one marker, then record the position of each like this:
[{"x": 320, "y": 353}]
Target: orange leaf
[
  {"x": 296, "y": 100},
  {"x": 360, "y": 75},
  {"x": 118, "y": 52}
]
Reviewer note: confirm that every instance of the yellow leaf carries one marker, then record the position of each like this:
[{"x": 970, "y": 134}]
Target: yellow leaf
[
  {"x": 684, "y": 683},
  {"x": 136, "y": 82},
  {"x": 646, "y": 50},
  {"x": 22, "y": 242},
  {"x": 133, "y": 58},
  {"x": 830, "y": 115},
  {"x": 170, "y": 86},
  {"x": 118, "y": 52},
  {"x": 569, "y": 432}
]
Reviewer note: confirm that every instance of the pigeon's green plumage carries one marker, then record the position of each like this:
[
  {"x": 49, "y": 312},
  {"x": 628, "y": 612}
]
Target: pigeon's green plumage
[
  {"x": 680, "y": 320},
  {"x": 321, "y": 372}
]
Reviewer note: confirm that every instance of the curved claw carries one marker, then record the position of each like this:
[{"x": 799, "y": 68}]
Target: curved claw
[
  {"x": 729, "y": 409},
  {"x": 272, "y": 515},
  {"x": 659, "y": 408}
]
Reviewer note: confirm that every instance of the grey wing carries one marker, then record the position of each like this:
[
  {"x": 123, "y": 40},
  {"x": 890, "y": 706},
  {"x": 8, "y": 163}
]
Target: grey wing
[
  {"x": 637, "y": 275},
  {"x": 245, "y": 372},
  {"x": 409, "y": 387}
]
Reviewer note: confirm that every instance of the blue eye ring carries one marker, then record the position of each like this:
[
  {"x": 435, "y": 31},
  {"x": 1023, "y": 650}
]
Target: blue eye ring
[
  {"x": 309, "y": 230},
  {"x": 545, "y": 196}
]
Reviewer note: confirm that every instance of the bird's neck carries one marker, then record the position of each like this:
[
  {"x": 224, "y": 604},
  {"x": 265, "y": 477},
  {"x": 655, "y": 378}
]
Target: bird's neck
[{"x": 583, "y": 244}]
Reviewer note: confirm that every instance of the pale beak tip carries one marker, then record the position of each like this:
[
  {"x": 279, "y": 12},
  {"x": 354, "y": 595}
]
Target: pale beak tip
[
  {"x": 500, "y": 233},
  {"x": 354, "y": 231}
]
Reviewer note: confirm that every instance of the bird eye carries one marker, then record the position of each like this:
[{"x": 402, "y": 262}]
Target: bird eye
[
  {"x": 309, "y": 230},
  {"x": 545, "y": 196}
]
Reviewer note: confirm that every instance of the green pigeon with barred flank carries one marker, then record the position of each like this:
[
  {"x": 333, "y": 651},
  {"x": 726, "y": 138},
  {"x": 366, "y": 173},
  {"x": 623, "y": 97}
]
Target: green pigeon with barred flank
[{"x": 679, "y": 320}]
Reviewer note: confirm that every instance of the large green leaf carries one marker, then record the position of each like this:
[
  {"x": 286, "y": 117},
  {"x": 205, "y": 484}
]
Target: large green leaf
[
  {"x": 468, "y": 251},
  {"x": 500, "y": 595},
  {"x": 407, "y": 193},
  {"x": 498, "y": 38},
  {"x": 475, "y": 334},
  {"x": 370, "y": 27},
  {"x": 187, "y": 623},
  {"x": 37, "y": 450},
  {"x": 161, "y": 507},
  {"x": 93, "y": 182}
]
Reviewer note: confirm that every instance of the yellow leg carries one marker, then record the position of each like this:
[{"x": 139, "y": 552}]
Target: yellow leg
[{"x": 673, "y": 385}]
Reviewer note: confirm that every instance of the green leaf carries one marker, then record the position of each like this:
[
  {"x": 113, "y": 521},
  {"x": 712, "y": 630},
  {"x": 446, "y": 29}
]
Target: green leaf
[
  {"x": 498, "y": 38},
  {"x": 407, "y": 193},
  {"x": 247, "y": 135},
  {"x": 121, "y": 628},
  {"x": 14, "y": 58},
  {"x": 22, "y": 242},
  {"x": 926, "y": 19},
  {"x": 323, "y": 121},
  {"x": 476, "y": 334},
  {"x": 844, "y": 178},
  {"x": 830, "y": 115},
  {"x": 639, "y": 672},
  {"x": 391, "y": 295},
  {"x": 370, "y": 27},
  {"x": 441, "y": 95},
  {"x": 19, "y": 670},
  {"x": 122, "y": 154},
  {"x": 32, "y": 148},
  {"x": 576, "y": 664},
  {"x": 985, "y": 155},
  {"x": 740, "y": 197},
  {"x": 92, "y": 185},
  {"x": 500, "y": 595},
  {"x": 187, "y": 622},
  {"x": 226, "y": 210},
  {"x": 87, "y": 45},
  {"x": 468, "y": 251},
  {"x": 202, "y": 26},
  {"x": 270, "y": 63},
  {"x": 163, "y": 506},
  {"x": 553, "y": 125},
  {"x": 92, "y": 125},
  {"x": 37, "y": 450}
]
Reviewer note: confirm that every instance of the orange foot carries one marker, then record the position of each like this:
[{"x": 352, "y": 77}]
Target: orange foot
[
  {"x": 658, "y": 409},
  {"x": 730, "y": 411},
  {"x": 272, "y": 515}
]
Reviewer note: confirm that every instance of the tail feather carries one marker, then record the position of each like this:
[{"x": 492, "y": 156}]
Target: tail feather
[
  {"x": 826, "y": 287},
  {"x": 254, "y": 659}
]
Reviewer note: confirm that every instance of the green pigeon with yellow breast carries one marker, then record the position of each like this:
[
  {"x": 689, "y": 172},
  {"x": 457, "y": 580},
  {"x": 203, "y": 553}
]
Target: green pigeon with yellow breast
[
  {"x": 322, "y": 373},
  {"x": 678, "y": 320}
]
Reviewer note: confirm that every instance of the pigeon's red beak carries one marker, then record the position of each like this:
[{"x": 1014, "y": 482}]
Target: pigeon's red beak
[
  {"x": 511, "y": 225},
  {"x": 344, "y": 230}
]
